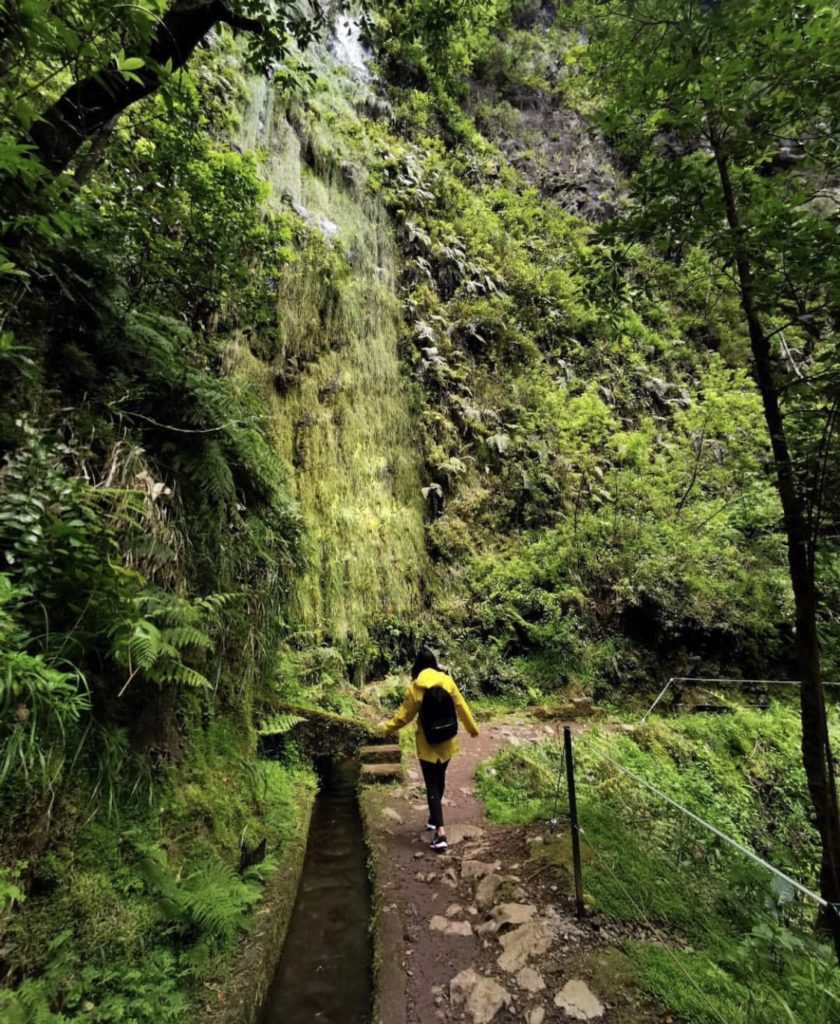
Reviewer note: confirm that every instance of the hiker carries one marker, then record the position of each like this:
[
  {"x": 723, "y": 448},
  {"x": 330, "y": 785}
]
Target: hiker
[{"x": 437, "y": 701}]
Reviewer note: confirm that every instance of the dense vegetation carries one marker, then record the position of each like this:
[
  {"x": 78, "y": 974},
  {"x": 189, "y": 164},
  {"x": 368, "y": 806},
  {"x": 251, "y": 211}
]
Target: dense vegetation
[{"x": 299, "y": 369}]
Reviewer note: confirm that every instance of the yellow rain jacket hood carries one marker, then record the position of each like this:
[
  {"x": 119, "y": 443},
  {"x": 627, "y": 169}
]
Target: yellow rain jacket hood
[{"x": 411, "y": 706}]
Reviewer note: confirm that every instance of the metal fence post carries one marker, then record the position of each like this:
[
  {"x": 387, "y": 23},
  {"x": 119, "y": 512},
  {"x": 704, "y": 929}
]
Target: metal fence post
[{"x": 573, "y": 816}]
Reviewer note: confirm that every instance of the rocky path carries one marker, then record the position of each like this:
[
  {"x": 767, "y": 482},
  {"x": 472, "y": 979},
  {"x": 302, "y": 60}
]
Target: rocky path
[{"x": 486, "y": 931}]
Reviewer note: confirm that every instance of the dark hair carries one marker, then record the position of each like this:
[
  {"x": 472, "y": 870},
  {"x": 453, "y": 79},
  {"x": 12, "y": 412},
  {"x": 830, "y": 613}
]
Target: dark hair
[{"x": 425, "y": 658}]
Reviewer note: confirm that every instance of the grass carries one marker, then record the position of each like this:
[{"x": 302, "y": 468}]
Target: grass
[{"x": 737, "y": 947}]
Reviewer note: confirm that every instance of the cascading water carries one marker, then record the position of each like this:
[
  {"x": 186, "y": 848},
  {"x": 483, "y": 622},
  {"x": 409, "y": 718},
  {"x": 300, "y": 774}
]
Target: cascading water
[
  {"x": 341, "y": 410},
  {"x": 346, "y": 45}
]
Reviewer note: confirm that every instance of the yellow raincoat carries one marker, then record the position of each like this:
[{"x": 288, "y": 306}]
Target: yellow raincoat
[{"x": 411, "y": 705}]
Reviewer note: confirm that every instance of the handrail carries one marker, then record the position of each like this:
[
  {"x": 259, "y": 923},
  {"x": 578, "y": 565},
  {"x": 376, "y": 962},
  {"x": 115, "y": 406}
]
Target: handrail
[
  {"x": 705, "y": 679},
  {"x": 711, "y": 828}
]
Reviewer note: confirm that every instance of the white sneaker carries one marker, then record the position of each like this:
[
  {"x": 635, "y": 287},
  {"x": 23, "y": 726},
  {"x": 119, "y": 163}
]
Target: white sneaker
[{"x": 439, "y": 844}]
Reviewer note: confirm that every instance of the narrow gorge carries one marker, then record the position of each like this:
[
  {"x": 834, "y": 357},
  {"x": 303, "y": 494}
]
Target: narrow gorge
[{"x": 329, "y": 332}]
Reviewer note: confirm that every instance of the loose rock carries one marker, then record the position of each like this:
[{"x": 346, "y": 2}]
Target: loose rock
[
  {"x": 530, "y": 980},
  {"x": 529, "y": 940},
  {"x": 442, "y": 924},
  {"x": 458, "y": 833},
  {"x": 577, "y": 1001},
  {"x": 482, "y": 997},
  {"x": 478, "y": 868},
  {"x": 511, "y": 915},
  {"x": 487, "y": 888}
]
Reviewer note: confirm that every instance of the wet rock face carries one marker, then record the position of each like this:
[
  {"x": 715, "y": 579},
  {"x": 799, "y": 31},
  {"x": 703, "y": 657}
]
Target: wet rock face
[
  {"x": 555, "y": 149},
  {"x": 553, "y": 146},
  {"x": 534, "y": 12}
]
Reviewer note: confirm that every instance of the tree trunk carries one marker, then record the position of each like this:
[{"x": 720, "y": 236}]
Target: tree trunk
[
  {"x": 90, "y": 104},
  {"x": 816, "y": 746}
]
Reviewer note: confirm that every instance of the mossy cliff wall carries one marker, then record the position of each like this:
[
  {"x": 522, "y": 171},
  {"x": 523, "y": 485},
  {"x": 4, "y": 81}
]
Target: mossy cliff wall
[{"x": 331, "y": 374}]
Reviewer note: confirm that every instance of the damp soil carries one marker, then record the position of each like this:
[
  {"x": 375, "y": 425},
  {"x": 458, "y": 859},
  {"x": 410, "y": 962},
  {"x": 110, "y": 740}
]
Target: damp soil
[
  {"x": 324, "y": 973},
  {"x": 414, "y": 884}
]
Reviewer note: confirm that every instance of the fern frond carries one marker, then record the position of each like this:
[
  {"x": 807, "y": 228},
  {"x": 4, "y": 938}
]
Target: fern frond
[
  {"x": 178, "y": 672},
  {"x": 218, "y": 900},
  {"x": 215, "y": 473},
  {"x": 279, "y": 725},
  {"x": 214, "y": 602},
  {"x": 183, "y": 636},
  {"x": 144, "y": 644}
]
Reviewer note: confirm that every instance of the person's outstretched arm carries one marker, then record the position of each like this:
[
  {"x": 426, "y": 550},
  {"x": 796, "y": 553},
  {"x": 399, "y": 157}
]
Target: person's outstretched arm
[
  {"x": 405, "y": 715},
  {"x": 462, "y": 710}
]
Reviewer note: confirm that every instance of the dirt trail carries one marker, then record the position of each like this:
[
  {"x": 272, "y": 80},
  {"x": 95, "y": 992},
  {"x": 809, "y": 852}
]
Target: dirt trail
[{"x": 485, "y": 932}]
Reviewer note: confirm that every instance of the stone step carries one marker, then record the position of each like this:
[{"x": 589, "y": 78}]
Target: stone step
[
  {"x": 380, "y": 752},
  {"x": 382, "y": 773},
  {"x": 379, "y": 741}
]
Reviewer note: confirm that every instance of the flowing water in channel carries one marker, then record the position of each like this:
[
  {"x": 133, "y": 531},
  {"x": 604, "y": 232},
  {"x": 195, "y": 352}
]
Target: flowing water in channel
[{"x": 324, "y": 974}]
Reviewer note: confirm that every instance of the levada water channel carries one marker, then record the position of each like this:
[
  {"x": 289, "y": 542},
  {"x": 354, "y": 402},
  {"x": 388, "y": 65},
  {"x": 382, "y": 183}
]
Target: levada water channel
[{"x": 324, "y": 973}]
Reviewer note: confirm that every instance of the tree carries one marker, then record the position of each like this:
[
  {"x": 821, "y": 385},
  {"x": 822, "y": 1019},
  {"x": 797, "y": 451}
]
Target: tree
[
  {"x": 727, "y": 114},
  {"x": 442, "y": 37},
  {"x": 160, "y": 39}
]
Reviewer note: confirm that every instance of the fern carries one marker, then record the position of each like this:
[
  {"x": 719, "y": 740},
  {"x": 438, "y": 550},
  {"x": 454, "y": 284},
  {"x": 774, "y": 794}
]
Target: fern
[
  {"x": 178, "y": 672},
  {"x": 213, "y": 901},
  {"x": 216, "y": 475},
  {"x": 143, "y": 644},
  {"x": 279, "y": 725},
  {"x": 161, "y": 629},
  {"x": 187, "y": 636}
]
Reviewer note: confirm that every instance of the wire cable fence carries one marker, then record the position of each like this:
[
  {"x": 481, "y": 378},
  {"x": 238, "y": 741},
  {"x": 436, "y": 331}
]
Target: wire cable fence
[
  {"x": 723, "y": 681},
  {"x": 730, "y": 931}
]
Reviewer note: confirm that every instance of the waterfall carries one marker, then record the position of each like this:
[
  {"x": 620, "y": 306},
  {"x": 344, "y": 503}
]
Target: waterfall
[
  {"x": 341, "y": 411},
  {"x": 346, "y": 45}
]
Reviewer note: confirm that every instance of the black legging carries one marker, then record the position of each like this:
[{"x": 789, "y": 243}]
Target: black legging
[{"x": 434, "y": 775}]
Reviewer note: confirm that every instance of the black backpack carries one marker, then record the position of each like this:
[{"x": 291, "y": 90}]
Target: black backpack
[{"x": 437, "y": 715}]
